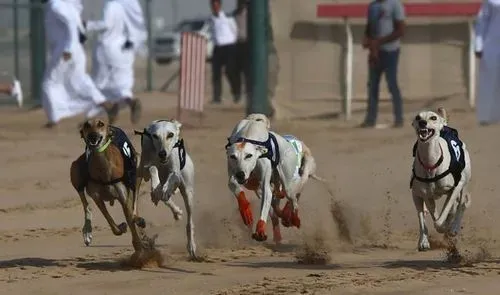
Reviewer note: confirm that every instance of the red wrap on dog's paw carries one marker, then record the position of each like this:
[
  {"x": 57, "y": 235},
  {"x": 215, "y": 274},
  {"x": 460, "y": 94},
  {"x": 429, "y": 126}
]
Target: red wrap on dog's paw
[
  {"x": 260, "y": 231},
  {"x": 290, "y": 217},
  {"x": 245, "y": 210},
  {"x": 286, "y": 215}
]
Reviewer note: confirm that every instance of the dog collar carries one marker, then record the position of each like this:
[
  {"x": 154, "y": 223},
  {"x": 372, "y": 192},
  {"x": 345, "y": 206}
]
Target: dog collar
[
  {"x": 430, "y": 168},
  {"x": 104, "y": 147}
]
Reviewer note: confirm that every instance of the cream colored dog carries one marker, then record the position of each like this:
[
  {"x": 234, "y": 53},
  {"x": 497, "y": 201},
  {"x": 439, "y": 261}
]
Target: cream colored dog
[
  {"x": 258, "y": 158},
  {"x": 441, "y": 167},
  {"x": 166, "y": 163}
]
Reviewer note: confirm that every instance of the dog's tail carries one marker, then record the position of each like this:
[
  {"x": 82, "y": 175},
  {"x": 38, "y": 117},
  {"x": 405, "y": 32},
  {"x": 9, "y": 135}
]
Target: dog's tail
[{"x": 325, "y": 183}]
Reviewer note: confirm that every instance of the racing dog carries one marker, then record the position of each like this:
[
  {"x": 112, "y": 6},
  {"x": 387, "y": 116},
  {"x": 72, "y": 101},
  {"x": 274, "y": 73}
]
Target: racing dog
[
  {"x": 106, "y": 171},
  {"x": 441, "y": 167},
  {"x": 258, "y": 158},
  {"x": 166, "y": 163}
]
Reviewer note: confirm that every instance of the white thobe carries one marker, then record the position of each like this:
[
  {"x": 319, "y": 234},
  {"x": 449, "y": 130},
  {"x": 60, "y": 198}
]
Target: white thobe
[
  {"x": 67, "y": 89},
  {"x": 488, "y": 42},
  {"x": 113, "y": 66}
]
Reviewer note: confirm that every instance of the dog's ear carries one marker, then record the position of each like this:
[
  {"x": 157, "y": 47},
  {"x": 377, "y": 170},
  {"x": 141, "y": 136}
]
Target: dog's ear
[
  {"x": 442, "y": 112},
  {"x": 177, "y": 124},
  {"x": 261, "y": 149}
]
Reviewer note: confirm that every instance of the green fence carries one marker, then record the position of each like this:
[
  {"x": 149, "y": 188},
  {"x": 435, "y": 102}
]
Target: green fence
[{"x": 23, "y": 48}]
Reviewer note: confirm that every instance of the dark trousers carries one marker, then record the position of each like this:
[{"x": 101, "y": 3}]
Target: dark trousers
[
  {"x": 242, "y": 68},
  {"x": 224, "y": 57},
  {"x": 388, "y": 64}
]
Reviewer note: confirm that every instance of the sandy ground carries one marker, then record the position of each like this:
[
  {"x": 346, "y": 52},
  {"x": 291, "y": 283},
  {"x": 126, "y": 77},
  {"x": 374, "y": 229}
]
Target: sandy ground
[{"x": 42, "y": 251}]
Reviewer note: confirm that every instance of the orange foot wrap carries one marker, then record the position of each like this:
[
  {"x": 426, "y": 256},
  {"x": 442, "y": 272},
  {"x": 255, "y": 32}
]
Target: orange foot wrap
[
  {"x": 290, "y": 217},
  {"x": 260, "y": 232},
  {"x": 245, "y": 210}
]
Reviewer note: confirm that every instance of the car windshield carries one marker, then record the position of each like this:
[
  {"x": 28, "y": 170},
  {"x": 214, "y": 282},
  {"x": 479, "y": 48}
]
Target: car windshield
[{"x": 190, "y": 26}]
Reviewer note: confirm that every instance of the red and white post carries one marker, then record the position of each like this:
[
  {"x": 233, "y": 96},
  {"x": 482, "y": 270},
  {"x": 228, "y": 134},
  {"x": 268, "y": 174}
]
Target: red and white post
[{"x": 192, "y": 73}]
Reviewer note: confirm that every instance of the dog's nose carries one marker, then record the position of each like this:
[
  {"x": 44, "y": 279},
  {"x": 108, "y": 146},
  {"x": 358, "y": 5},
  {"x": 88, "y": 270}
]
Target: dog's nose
[
  {"x": 93, "y": 136},
  {"x": 162, "y": 154},
  {"x": 422, "y": 123},
  {"x": 240, "y": 176}
]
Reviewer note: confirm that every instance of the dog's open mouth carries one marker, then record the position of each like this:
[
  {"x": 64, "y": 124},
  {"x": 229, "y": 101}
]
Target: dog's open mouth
[
  {"x": 94, "y": 141},
  {"x": 425, "y": 133}
]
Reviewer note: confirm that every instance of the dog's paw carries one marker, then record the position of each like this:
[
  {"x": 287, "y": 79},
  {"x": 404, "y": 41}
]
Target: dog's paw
[
  {"x": 423, "y": 244},
  {"x": 140, "y": 222},
  {"x": 287, "y": 215},
  {"x": 87, "y": 238},
  {"x": 122, "y": 227},
  {"x": 260, "y": 232},
  {"x": 87, "y": 233},
  {"x": 156, "y": 195}
]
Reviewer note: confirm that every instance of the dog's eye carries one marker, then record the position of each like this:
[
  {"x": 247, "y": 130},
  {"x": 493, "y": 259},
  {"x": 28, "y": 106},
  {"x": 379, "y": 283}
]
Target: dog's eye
[
  {"x": 248, "y": 156},
  {"x": 418, "y": 118},
  {"x": 100, "y": 124},
  {"x": 233, "y": 157},
  {"x": 170, "y": 135},
  {"x": 434, "y": 118}
]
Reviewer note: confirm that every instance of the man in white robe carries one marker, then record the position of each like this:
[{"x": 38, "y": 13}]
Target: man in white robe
[
  {"x": 113, "y": 64},
  {"x": 67, "y": 89},
  {"x": 488, "y": 50}
]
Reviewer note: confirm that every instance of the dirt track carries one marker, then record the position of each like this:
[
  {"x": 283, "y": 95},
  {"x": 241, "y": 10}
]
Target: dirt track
[{"x": 42, "y": 251}]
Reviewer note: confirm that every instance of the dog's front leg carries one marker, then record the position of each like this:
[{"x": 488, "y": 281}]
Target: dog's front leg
[
  {"x": 243, "y": 203},
  {"x": 423, "y": 240},
  {"x": 156, "y": 189},
  {"x": 87, "y": 225},
  {"x": 440, "y": 223},
  {"x": 170, "y": 186},
  {"x": 267, "y": 197}
]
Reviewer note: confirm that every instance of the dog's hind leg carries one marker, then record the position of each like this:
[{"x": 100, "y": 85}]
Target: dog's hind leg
[
  {"x": 125, "y": 200},
  {"x": 188, "y": 196},
  {"x": 117, "y": 230},
  {"x": 273, "y": 214},
  {"x": 423, "y": 240}
]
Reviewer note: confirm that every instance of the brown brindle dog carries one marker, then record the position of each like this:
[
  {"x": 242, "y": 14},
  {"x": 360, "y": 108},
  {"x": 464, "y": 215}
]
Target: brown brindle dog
[{"x": 106, "y": 171}]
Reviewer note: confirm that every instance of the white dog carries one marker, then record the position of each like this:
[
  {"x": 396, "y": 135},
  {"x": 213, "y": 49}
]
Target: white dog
[
  {"x": 258, "y": 158},
  {"x": 441, "y": 167},
  {"x": 165, "y": 161}
]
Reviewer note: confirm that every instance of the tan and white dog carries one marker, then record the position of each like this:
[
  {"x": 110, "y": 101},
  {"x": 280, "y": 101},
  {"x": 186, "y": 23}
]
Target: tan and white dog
[
  {"x": 441, "y": 167},
  {"x": 269, "y": 164},
  {"x": 166, "y": 163},
  {"x": 106, "y": 172}
]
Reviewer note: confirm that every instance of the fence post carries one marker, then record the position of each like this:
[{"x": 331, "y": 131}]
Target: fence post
[
  {"x": 149, "y": 68},
  {"x": 37, "y": 48},
  {"x": 257, "y": 19},
  {"x": 15, "y": 25}
]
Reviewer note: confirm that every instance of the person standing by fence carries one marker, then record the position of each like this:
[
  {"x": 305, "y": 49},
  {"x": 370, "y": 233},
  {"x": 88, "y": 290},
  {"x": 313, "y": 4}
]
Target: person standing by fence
[
  {"x": 113, "y": 64},
  {"x": 384, "y": 28},
  {"x": 243, "y": 54},
  {"x": 488, "y": 50},
  {"x": 224, "y": 33}
]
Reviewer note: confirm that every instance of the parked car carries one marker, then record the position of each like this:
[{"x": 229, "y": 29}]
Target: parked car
[{"x": 167, "y": 46}]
